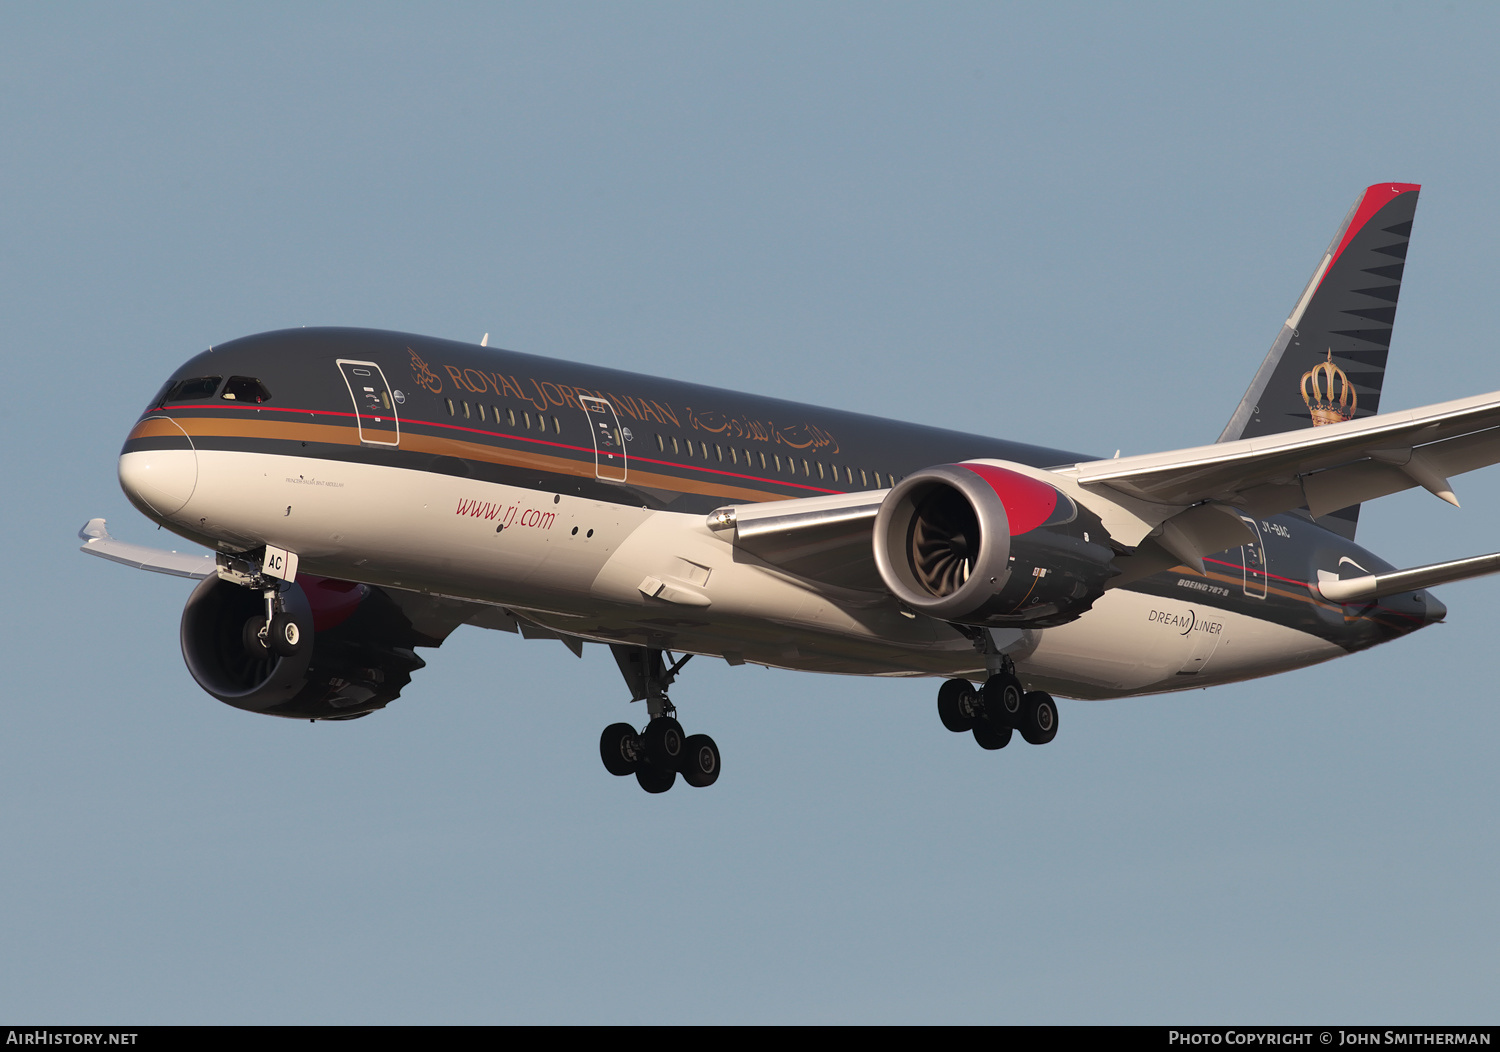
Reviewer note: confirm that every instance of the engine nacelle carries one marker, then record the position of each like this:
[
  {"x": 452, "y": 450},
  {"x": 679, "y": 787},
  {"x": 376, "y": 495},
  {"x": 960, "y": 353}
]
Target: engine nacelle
[
  {"x": 981, "y": 544},
  {"x": 356, "y": 652}
]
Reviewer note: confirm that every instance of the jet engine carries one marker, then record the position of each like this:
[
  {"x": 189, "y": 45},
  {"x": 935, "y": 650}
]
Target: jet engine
[
  {"x": 354, "y": 654},
  {"x": 981, "y": 544}
]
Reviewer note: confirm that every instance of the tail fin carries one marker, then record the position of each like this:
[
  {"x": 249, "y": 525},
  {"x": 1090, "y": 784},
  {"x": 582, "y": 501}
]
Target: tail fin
[{"x": 1328, "y": 361}]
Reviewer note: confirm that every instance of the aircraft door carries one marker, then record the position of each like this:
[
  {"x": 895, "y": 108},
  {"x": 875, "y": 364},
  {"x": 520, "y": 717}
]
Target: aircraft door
[
  {"x": 1203, "y": 635},
  {"x": 374, "y": 409},
  {"x": 1254, "y": 556},
  {"x": 609, "y": 442}
]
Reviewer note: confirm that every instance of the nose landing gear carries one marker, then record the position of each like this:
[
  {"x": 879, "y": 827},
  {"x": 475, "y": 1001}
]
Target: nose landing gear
[
  {"x": 267, "y": 571},
  {"x": 660, "y": 751}
]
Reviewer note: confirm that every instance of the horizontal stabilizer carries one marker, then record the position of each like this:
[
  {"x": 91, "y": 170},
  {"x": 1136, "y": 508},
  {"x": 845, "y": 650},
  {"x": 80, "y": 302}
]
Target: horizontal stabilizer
[
  {"x": 97, "y": 541},
  {"x": 1373, "y": 586}
]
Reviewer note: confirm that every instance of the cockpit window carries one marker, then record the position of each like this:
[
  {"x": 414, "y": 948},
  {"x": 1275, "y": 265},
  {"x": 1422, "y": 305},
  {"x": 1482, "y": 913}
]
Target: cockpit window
[
  {"x": 193, "y": 390},
  {"x": 245, "y": 389}
]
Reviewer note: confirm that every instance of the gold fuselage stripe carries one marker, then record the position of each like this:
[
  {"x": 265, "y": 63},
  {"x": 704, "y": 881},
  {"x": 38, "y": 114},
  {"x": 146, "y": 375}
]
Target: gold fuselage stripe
[{"x": 435, "y": 445}]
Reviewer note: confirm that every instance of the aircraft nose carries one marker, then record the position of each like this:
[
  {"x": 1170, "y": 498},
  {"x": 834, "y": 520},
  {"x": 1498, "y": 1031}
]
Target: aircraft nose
[{"x": 160, "y": 478}]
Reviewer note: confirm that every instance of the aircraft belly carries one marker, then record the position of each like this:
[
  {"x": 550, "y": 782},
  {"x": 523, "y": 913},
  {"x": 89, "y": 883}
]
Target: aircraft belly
[{"x": 1131, "y": 643}]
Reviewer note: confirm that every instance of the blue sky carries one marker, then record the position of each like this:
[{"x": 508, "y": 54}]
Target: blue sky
[{"x": 1075, "y": 225}]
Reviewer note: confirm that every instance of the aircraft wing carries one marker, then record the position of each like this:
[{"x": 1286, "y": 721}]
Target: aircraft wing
[
  {"x": 1187, "y": 492},
  {"x": 97, "y": 541},
  {"x": 824, "y": 539},
  {"x": 1323, "y": 469}
]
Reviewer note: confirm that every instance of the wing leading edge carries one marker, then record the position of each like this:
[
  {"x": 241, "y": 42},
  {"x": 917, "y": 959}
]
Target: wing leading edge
[{"x": 1322, "y": 469}]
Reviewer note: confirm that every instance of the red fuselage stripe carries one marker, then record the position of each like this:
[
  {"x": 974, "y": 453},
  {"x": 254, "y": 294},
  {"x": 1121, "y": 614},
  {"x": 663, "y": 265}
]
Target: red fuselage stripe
[{"x": 516, "y": 438}]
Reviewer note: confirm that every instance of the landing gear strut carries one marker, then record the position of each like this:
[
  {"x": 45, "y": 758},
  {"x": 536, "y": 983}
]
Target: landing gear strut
[
  {"x": 275, "y": 632},
  {"x": 657, "y": 753},
  {"x": 992, "y": 712}
]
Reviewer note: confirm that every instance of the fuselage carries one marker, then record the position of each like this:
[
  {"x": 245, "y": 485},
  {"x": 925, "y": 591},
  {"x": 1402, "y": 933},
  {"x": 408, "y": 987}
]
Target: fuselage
[{"x": 563, "y": 491}]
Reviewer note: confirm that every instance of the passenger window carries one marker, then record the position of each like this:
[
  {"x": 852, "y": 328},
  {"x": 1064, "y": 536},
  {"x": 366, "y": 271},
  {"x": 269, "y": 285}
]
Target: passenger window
[
  {"x": 556, "y": 426},
  {"x": 864, "y": 480},
  {"x": 719, "y": 452},
  {"x": 806, "y": 470},
  {"x": 510, "y": 414},
  {"x": 451, "y": 410},
  {"x": 245, "y": 389},
  {"x": 193, "y": 390},
  {"x": 763, "y": 462},
  {"x": 820, "y": 470},
  {"x": 481, "y": 412},
  {"x": 466, "y": 412},
  {"x": 777, "y": 457},
  {"x": 526, "y": 416},
  {"x": 661, "y": 444}
]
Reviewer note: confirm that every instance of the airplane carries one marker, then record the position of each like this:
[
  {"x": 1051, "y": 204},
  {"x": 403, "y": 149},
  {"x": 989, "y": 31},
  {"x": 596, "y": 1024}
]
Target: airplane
[{"x": 363, "y": 493}]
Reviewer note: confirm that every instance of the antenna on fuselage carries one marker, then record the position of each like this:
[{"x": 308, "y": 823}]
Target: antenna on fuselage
[{"x": 486, "y": 341}]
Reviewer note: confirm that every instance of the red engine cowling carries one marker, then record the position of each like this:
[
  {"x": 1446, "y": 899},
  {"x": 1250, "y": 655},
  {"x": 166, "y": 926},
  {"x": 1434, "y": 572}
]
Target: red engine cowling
[
  {"x": 356, "y": 653},
  {"x": 978, "y": 543}
]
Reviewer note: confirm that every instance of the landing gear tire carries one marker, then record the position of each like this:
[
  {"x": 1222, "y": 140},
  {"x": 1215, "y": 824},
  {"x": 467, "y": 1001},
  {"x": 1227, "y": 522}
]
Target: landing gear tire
[
  {"x": 653, "y": 779},
  {"x": 285, "y": 636},
  {"x": 256, "y": 645},
  {"x": 1003, "y": 699},
  {"x": 956, "y": 705},
  {"x": 620, "y": 749},
  {"x": 700, "y": 761},
  {"x": 991, "y": 736},
  {"x": 663, "y": 740},
  {"x": 1038, "y": 724}
]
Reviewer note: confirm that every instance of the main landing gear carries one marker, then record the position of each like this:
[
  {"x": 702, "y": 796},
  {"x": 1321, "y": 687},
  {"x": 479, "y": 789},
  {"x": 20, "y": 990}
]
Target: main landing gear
[
  {"x": 661, "y": 750},
  {"x": 992, "y": 712}
]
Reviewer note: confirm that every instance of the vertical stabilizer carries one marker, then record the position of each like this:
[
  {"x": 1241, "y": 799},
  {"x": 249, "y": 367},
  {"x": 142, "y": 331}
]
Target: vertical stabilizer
[{"x": 1328, "y": 361}]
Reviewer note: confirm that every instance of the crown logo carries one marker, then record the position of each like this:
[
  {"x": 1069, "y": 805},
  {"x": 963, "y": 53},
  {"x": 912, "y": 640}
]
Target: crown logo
[
  {"x": 422, "y": 374},
  {"x": 1329, "y": 395}
]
